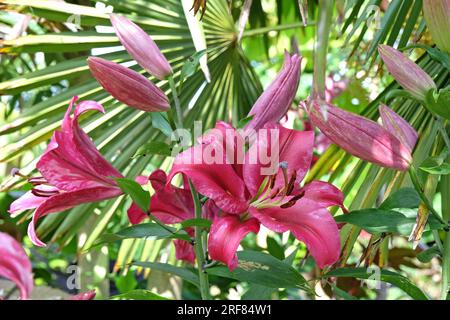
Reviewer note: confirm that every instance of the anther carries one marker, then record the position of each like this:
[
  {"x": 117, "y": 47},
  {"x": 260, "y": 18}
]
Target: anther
[{"x": 291, "y": 183}]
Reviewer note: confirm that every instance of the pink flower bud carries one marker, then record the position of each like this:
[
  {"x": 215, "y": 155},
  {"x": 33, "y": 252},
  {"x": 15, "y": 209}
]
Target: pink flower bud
[
  {"x": 399, "y": 127},
  {"x": 141, "y": 47},
  {"x": 362, "y": 137},
  {"x": 275, "y": 101},
  {"x": 437, "y": 16},
  {"x": 128, "y": 86},
  {"x": 408, "y": 74}
]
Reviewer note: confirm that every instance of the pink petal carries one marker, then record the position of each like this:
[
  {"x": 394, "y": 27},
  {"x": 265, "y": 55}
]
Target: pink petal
[
  {"x": 294, "y": 148},
  {"x": 359, "y": 136},
  {"x": 135, "y": 214},
  {"x": 309, "y": 223},
  {"x": 89, "y": 295},
  {"x": 275, "y": 101},
  {"x": 71, "y": 161},
  {"x": 185, "y": 250},
  {"x": 323, "y": 194},
  {"x": 217, "y": 180},
  {"x": 67, "y": 200},
  {"x": 128, "y": 86},
  {"x": 399, "y": 127},
  {"x": 29, "y": 201},
  {"x": 172, "y": 204},
  {"x": 15, "y": 265},
  {"x": 141, "y": 47},
  {"x": 227, "y": 231}
]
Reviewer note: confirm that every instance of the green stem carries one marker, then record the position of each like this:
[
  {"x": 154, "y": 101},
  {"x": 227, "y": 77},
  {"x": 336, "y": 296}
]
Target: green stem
[
  {"x": 445, "y": 196},
  {"x": 321, "y": 48},
  {"x": 441, "y": 124},
  {"x": 198, "y": 246},
  {"x": 179, "y": 117},
  {"x": 426, "y": 202},
  {"x": 287, "y": 26}
]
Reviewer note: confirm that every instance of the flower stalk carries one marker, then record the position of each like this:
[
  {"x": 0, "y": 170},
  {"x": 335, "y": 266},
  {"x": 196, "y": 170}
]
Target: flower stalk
[
  {"x": 198, "y": 246},
  {"x": 176, "y": 101},
  {"x": 321, "y": 49},
  {"x": 415, "y": 181}
]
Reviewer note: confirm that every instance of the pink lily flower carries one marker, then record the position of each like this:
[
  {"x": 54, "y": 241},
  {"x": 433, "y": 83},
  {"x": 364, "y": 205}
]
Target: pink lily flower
[
  {"x": 246, "y": 197},
  {"x": 15, "y": 265},
  {"x": 275, "y": 101},
  {"x": 141, "y": 47},
  {"x": 388, "y": 146},
  {"x": 128, "y": 86},
  {"x": 88, "y": 295},
  {"x": 170, "y": 205},
  {"x": 73, "y": 172}
]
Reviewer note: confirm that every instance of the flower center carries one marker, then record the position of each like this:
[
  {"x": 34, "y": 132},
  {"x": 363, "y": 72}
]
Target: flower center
[{"x": 271, "y": 195}]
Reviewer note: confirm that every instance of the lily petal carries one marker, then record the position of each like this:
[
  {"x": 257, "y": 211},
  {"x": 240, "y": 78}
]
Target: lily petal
[
  {"x": 218, "y": 181},
  {"x": 309, "y": 223},
  {"x": 71, "y": 161},
  {"x": 227, "y": 231},
  {"x": 67, "y": 200},
  {"x": 29, "y": 201},
  {"x": 399, "y": 127},
  {"x": 15, "y": 265},
  {"x": 294, "y": 150},
  {"x": 324, "y": 194}
]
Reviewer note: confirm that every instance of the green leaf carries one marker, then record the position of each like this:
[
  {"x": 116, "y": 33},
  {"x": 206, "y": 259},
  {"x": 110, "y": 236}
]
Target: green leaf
[
  {"x": 139, "y": 294},
  {"x": 378, "y": 221},
  {"x": 183, "y": 273},
  {"x": 135, "y": 191},
  {"x": 154, "y": 148},
  {"x": 385, "y": 275},
  {"x": 143, "y": 231},
  {"x": 436, "y": 164},
  {"x": 160, "y": 122},
  {"x": 434, "y": 53},
  {"x": 263, "y": 269},
  {"x": 126, "y": 283},
  {"x": 197, "y": 222},
  {"x": 426, "y": 255},
  {"x": 191, "y": 65},
  {"x": 274, "y": 248},
  {"x": 243, "y": 122},
  {"x": 403, "y": 198}
]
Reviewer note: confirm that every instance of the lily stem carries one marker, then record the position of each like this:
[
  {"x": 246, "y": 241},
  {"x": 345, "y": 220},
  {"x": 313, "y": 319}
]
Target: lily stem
[
  {"x": 426, "y": 202},
  {"x": 321, "y": 47},
  {"x": 445, "y": 199},
  {"x": 441, "y": 124},
  {"x": 179, "y": 117},
  {"x": 198, "y": 247}
]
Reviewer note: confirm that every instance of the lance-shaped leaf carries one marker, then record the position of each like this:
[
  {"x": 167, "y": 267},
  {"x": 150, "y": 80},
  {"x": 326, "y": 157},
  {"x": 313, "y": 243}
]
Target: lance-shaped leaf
[{"x": 437, "y": 16}]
